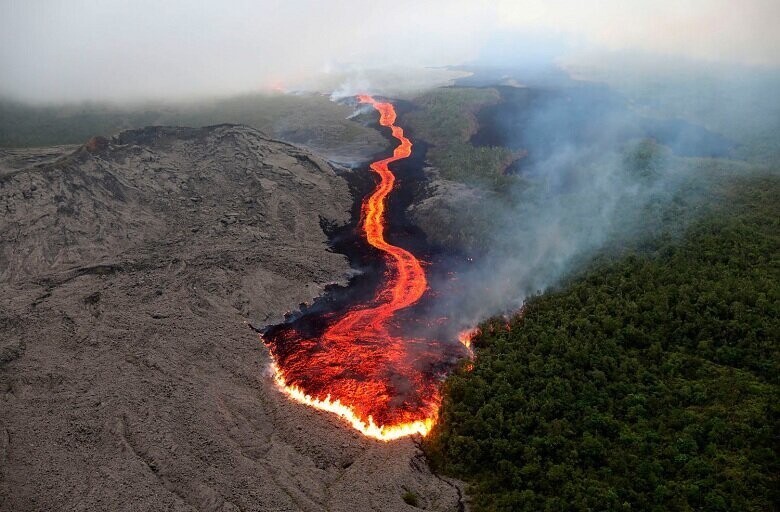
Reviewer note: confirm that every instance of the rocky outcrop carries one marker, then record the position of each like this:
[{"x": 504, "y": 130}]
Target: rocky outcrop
[{"x": 454, "y": 215}]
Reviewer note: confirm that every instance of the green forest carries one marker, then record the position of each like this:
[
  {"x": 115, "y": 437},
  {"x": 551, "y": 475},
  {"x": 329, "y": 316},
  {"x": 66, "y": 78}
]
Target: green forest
[
  {"x": 444, "y": 117},
  {"x": 647, "y": 381}
]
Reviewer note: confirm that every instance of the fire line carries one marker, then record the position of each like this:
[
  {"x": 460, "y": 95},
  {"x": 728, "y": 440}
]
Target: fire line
[{"x": 359, "y": 368}]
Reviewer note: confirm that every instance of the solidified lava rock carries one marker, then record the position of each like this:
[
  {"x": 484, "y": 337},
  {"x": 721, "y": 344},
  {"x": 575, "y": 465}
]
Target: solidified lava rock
[{"x": 128, "y": 378}]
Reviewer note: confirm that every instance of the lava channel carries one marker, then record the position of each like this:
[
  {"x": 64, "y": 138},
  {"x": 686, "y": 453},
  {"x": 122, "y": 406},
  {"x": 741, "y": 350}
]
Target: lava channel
[{"x": 360, "y": 366}]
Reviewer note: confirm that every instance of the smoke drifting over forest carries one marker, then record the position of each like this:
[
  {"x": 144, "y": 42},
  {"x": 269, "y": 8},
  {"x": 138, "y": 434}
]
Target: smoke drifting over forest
[
  {"x": 89, "y": 50},
  {"x": 595, "y": 173},
  {"x": 581, "y": 197}
]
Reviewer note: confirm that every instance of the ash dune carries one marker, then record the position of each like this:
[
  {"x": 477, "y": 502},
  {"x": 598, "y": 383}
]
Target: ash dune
[{"x": 128, "y": 377}]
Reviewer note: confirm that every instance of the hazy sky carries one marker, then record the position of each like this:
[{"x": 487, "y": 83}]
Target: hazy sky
[{"x": 107, "y": 49}]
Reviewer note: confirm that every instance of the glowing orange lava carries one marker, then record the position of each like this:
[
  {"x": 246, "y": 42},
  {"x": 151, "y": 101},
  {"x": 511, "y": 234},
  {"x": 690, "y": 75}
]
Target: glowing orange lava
[{"x": 382, "y": 383}]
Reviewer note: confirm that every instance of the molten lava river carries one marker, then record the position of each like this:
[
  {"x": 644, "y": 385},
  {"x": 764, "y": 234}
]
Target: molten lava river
[{"x": 360, "y": 365}]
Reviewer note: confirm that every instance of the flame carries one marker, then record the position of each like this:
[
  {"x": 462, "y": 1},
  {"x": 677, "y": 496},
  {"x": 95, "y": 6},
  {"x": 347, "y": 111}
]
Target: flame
[
  {"x": 379, "y": 382},
  {"x": 465, "y": 338}
]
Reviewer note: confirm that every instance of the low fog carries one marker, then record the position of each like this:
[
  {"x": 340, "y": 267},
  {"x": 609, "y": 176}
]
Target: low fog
[{"x": 57, "y": 50}]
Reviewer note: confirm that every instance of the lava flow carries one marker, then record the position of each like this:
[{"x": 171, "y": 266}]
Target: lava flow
[{"x": 360, "y": 366}]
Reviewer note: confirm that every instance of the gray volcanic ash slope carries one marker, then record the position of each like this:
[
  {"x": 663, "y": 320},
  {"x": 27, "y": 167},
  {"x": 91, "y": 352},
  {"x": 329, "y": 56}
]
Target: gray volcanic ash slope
[{"x": 128, "y": 380}]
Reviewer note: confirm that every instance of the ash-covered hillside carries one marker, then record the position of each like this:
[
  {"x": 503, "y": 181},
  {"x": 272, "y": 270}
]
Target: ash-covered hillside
[
  {"x": 159, "y": 195},
  {"x": 128, "y": 377}
]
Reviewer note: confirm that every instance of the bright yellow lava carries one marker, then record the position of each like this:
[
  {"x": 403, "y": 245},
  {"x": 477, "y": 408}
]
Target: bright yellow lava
[{"x": 370, "y": 429}]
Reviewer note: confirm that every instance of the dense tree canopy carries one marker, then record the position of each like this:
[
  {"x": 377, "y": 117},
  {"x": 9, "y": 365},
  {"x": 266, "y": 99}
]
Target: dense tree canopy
[{"x": 647, "y": 382}]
